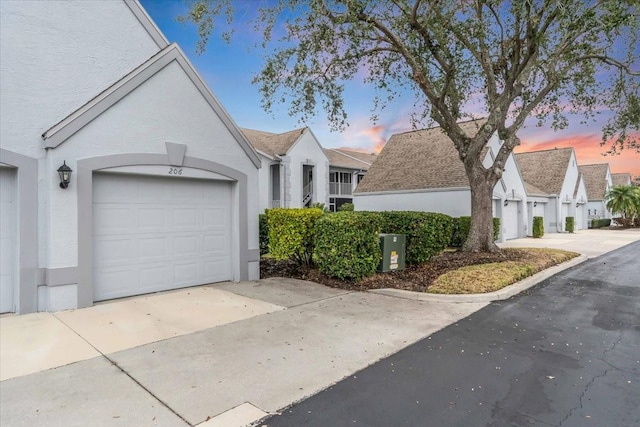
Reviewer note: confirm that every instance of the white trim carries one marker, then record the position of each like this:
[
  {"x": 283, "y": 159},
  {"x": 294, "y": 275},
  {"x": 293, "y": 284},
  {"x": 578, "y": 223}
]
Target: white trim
[{"x": 148, "y": 24}]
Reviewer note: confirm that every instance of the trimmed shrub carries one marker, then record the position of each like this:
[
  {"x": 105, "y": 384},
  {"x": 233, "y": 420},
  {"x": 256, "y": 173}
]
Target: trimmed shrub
[
  {"x": 496, "y": 228},
  {"x": 346, "y": 207},
  {"x": 600, "y": 222},
  {"x": 427, "y": 233},
  {"x": 569, "y": 224},
  {"x": 538, "y": 226},
  {"x": 347, "y": 245},
  {"x": 291, "y": 233},
  {"x": 461, "y": 229},
  {"x": 263, "y": 233}
]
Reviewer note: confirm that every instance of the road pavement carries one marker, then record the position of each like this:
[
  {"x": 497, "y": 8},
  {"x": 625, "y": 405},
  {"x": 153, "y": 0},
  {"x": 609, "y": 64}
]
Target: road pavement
[{"x": 564, "y": 353}]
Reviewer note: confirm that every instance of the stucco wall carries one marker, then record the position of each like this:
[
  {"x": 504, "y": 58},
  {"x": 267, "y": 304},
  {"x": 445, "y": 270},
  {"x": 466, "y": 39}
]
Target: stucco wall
[
  {"x": 56, "y": 56},
  {"x": 305, "y": 149},
  {"x": 449, "y": 202}
]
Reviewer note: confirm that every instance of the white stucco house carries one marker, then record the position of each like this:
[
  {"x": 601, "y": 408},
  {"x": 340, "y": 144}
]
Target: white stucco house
[
  {"x": 163, "y": 191},
  {"x": 421, "y": 171},
  {"x": 598, "y": 180},
  {"x": 295, "y": 169},
  {"x": 555, "y": 187},
  {"x": 346, "y": 170}
]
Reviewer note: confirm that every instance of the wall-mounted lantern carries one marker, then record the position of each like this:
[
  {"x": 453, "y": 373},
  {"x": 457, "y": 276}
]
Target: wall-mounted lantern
[
  {"x": 535, "y": 204},
  {"x": 65, "y": 175},
  {"x": 506, "y": 202}
]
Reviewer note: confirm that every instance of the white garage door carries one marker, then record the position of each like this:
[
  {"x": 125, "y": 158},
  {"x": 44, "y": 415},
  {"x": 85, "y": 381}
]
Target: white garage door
[
  {"x": 510, "y": 218},
  {"x": 156, "y": 233},
  {"x": 8, "y": 247}
]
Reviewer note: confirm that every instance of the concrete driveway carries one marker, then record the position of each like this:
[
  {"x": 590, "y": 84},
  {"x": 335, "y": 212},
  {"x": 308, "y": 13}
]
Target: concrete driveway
[{"x": 218, "y": 355}]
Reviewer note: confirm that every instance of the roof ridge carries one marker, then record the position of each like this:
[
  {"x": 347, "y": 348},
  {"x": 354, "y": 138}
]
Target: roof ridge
[
  {"x": 346, "y": 155},
  {"x": 437, "y": 127}
]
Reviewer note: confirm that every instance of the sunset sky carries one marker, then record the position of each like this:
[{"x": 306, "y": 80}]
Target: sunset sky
[{"x": 229, "y": 68}]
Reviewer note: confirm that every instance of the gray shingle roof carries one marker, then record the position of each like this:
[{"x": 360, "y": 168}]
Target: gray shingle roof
[
  {"x": 532, "y": 190},
  {"x": 595, "y": 179},
  {"x": 417, "y": 160},
  {"x": 545, "y": 169},
  {"x": 621, "y": 178},
  {"x": 341, "y": 158},
  {"x": 273, "y": 144}
]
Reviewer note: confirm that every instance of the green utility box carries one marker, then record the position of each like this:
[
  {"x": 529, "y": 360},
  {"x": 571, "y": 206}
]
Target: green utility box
[{"x": 393, "y": 247}]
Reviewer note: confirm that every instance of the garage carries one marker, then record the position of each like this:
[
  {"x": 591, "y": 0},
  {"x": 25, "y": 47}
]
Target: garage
[
  {"x": 155, "y": 233},
  {"x": 510, "y": 220},
  {"x": 8, "y": 247}
]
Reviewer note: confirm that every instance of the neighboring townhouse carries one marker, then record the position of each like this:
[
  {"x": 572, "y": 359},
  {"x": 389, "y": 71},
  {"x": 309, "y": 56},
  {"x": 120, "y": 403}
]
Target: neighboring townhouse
[
  {"x": 295, "y": 169},
  {"x": 620, "y": 179},
  {"x": 421, "y": 170},
  {"x": 121, "y": 174},
  {"x": 555, "y": 187},
  {"x": 597, "y": 178},
  {"x": 346, "y": 170}
]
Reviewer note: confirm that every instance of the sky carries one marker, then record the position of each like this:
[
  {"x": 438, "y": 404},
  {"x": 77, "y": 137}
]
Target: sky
[{"x": 229, "y": 68}]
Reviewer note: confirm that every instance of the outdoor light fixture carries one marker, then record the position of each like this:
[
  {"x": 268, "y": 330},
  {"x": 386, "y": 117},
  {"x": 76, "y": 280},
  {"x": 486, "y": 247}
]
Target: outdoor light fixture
[
  {"x": 577, "y": 205},
  {"x": 535, "y": 204},
  {"x": 506, "y": 202},
  {"x": 65, "y": 175}
]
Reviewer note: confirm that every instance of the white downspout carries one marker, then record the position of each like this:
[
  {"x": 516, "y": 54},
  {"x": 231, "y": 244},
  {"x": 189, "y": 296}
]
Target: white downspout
[{"x": 558, "y": 214}]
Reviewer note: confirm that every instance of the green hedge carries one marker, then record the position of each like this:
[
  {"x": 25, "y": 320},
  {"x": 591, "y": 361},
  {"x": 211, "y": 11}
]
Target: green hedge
[
  {"x": 538, "y": 226},
  {"x": 569, "y": 224},
  {"x": 263, "y": 233},
  {"x": 346, "y": 207},
  {"x": 347, "y": 245},
  {"x": 291, "y": 233},
  {"x": 427, "y": 233},
  {"x": 598, "y": 223},
  {"x": 461, "y": 227}
]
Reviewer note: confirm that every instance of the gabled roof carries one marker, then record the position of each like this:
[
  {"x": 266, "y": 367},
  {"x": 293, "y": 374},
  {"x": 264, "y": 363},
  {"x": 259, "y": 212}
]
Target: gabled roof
[
  {"x": 595, "y": 180},
  {"x": 424, "y": 159},
  {"x": 341, "y": 158},
  {"x": 84, "y": 115},
  {"x": 545, "y": 169},
  {"x": 621, "y": 178},
  {"x": 273, "y": 144},
  {"x": 532, "y": 190}
]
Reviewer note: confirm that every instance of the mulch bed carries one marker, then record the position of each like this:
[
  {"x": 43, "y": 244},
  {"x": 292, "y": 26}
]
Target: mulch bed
[{"x": 413, "y": 278}]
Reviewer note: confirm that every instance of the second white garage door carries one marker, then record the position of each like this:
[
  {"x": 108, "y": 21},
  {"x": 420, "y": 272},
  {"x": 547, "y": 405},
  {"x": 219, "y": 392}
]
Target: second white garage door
[
  {"x": 510, "y": 218},
  {"x": 155, "y": 233}
]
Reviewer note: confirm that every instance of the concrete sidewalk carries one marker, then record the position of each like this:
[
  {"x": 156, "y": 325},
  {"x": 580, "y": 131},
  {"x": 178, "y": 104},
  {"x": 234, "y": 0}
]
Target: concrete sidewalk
[{"x": 218, "y": 355}]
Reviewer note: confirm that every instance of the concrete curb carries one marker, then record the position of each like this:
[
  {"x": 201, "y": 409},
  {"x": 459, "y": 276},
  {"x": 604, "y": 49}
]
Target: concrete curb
[{"x": 501, "y": 294}]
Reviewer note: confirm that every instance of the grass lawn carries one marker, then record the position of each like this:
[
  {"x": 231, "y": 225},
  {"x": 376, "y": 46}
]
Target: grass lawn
[{"x": 451, "y": 272}]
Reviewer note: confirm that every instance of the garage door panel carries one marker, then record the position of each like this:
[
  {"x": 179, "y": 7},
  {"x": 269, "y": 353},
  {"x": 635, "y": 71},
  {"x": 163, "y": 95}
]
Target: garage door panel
[
  {"x": 114, "y": 219},
  {"x": 216, "y": 217},
  {"x": 186, "y": 273},
  {"x": 214, "y": 243},
  {"x": 152, "y": 218},
  {"x": 186, "y": 246},
  {"x": 176, "y": 235},
  {"x": 216, "y": 269},
  {"x": 185, "y": 218}
]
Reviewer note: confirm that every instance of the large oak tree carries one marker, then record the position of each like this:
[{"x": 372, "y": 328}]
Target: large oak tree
[{"x": 546, "y": 59}]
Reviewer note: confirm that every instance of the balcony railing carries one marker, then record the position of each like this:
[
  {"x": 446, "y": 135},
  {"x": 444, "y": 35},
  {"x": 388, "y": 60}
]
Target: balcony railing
[{"x": 339, "y": 188}]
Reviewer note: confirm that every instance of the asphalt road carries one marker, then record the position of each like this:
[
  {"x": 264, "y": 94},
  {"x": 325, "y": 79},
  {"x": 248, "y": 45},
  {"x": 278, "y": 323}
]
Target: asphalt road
[{"x": 564, "y": 353}]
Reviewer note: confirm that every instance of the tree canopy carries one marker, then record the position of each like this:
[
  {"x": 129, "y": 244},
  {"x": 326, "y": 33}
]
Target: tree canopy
[{"x": 503, "y": 60}]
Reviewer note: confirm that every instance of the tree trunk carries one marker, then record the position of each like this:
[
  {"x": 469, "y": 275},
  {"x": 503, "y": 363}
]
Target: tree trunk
[{"x": 481, "y": 233}]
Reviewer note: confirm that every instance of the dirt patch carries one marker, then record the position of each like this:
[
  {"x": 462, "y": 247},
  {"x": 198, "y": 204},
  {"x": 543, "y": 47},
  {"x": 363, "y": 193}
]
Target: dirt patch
[{"x": 417, "y": 277}]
